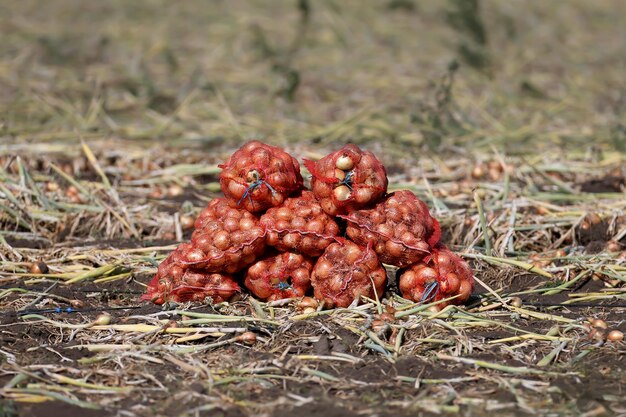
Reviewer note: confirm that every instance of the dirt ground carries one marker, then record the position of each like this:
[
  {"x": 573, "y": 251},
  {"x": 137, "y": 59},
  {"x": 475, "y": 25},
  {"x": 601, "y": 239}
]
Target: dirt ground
[{"x": 114, "y": 116}]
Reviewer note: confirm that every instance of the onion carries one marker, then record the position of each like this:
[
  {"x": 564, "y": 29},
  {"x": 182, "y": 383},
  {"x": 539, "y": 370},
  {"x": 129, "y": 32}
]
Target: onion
[
  {"x": 247, "y": 260},
  {"x": 302, "y": 211},
  {"x": 246, "y": 223},
  {"x": 615, "y": 336},
  {"x": 323, "y": 268},
  {"x": 340, "y": 175},
  {"x": 300, "y": 275},
  {"x": 335, "y": 283},
  {"x": 341, "y": 193},
  {"x": 599, "y": 323},
  {"x": 276, "y": 199},
  {"x": 331, "y": 228},
  {"x": 271, "y": 238},
  {"x": 307, "y": 302},
  {"x": 281, "y": 225},
  {"x": 176, "y": 273},
  {"x": 261, "y": 156},
  {"x": 598, "y": 334},
  {"x": 352, "y": 252},
  {"x": 308, "y": 244},
  {"x": 465, "y": 290},
  {"x": 407, "y": 237},
  {"x": 52, "y": 186},
  {"x": 248, "y": 338},
  {"x": 451, "y": 283},
  {"x": 344, "y": 162},
  {"x": 298, "y": 223},
  {"x": 278, "y": 164},
  {"x": 426, "y": 274},
  {"x": 186, "y": 222},
  {"x": 249, "y": 147},
  {"x": 291, "y": 240},
  {"x": 283, "y": 213},
  {"x": 315, "y": 226},
  {"x": 320, "y": 189},
  {"x": 384, "y": 229},
  {"x": 328, "y": 206},
  {"x": 103, "y": 319},
  {"x": 613, "y": 246},
  {"x": 237, "y": 237},
  {"x": 230, "y": 224},
  {"x": 195, "y": 255},
  {"x": 363, "y": 195},
  {"x": 175, "y": 190},
  {"x": 235, "y": 189},
  {"x": 221, "y": 240},
  {"x": 37, "y": 268},
  {"x": 277, "y": 179},
  {"x": 393, "y": 249}
]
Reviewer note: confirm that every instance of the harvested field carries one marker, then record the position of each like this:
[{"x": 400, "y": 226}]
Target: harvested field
[{"x": 507, "y": 120}]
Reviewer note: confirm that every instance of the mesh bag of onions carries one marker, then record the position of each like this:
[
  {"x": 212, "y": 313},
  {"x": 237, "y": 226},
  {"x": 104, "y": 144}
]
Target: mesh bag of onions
[
  {"x": 348, "y": 179},
  {"x": 259, "y": 176},
  {"x": 442, "y": 275},
  {"x": 400, "y": 229},
  {"x": 345, "y": 272},
  {"x": 226, "y": 239},
  {"x": 179, "y": 283},
  {"x": 283, "y": 275},
  {"x": 300, "y": 225}
]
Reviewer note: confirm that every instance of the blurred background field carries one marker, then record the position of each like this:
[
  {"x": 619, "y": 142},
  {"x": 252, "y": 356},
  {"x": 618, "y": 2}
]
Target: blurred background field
[
  {"x": 507, "y": 117},
  {"x": 530, "y": 74}
]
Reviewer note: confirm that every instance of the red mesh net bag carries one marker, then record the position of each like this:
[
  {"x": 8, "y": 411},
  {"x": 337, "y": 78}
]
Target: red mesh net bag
[
  {"x": 345, "y": 272},
  {"x": 286, "y": 275},
  {"x": 176, "y": 282},
  {"x": 442, "y": 275},
  {"x": 300, "y": 225},
  {"x": 226, "y": 239},
  {"x": 400, "y": 229},
  {"x": 259, "y": 176},
  {"x": 348, "y": 179}
]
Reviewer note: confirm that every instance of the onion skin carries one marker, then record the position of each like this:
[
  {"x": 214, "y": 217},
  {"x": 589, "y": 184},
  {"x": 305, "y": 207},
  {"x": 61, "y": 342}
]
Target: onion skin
[{"x": 445, "y": 271}]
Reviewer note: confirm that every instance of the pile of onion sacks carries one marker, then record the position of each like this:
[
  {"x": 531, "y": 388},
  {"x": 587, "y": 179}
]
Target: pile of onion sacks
[{"x": 277, "y": 239}]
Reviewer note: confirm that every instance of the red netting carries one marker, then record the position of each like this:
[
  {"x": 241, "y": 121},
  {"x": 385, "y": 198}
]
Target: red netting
[
  {"x": 259, "y": 176},
  {"x": 226, "y": 239},
  {"x": 442, "y": 275},
  {"x": 285, "y": 275},
  {"x": 400, "y": 229},
  {"x": 345, "y": 272},
  {"x": 176, "y": 282},
  {"x": 300, "y": 225},
  {"x": 348, "y": 179}
]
